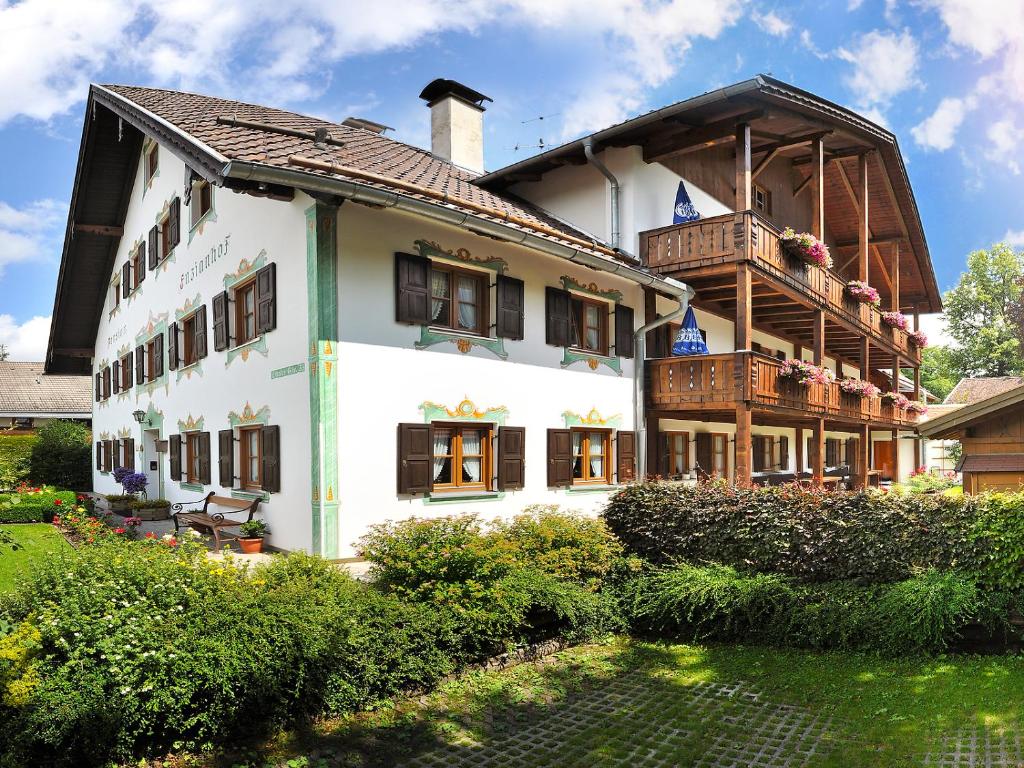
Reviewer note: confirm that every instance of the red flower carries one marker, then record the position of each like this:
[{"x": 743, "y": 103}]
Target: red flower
[
  {"x": 172, "y": 542},
  {"x": 58, "y": 502},
  {"x": 80, "y": 498},
  {"x": 150, "y": 535},
  {"x": 56, "y": 520},
  {"x": 119, "y": 530}
]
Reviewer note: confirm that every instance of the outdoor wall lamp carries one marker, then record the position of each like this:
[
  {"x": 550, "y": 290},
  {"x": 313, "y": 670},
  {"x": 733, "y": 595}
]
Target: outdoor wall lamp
[{"x": 139, "y": 416}]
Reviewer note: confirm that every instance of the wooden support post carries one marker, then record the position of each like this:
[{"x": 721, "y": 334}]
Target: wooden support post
[
  {"x": 651, "y": 314},
  {"x": 865, "y": 358},
  {"x": 743, "y": 464},
  {"x": 917, "y": 382},
  {"x": 818, "y": 188},
  {"x": 743, "y": 178},
  {"x": 895, "y": 456},
  {"x": 654, "y": 448},
  {"x": 896, "y": 278},
  {"x": 819, "y": 337},
  {"x": 744, "y": 307},
  {"x": 896, "y": 373},
  {"x": 864, "y": 231},
  {"x": 818, "y": 451},
  {"x": 864, "y": 459},
  {"x": 800, "y": 463}
]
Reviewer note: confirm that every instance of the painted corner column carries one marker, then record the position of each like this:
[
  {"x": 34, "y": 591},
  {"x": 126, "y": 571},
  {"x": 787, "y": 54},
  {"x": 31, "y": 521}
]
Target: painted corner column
[{"x": 322, "y": 293}]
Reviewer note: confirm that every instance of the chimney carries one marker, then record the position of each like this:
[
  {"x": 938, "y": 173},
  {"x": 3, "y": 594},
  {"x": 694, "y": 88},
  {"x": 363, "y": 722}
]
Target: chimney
[{"x": 456, "y": 123}]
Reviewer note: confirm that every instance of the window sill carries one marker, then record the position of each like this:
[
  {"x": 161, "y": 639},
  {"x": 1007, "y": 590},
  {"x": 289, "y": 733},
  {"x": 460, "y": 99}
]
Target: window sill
[
  {"x": 452, "y": 497},
  {"x": 200, "y": 221},
  {"x": 251, "y": 342},
  {"x": 187, "y": 486},
  {"x": 445, "y": 330},
  {"x": 603, "y": 488},
  {"x": 591, "y": 353},
  {"x": 192, "y": 366},
  {"x": 250, "y": 494}
]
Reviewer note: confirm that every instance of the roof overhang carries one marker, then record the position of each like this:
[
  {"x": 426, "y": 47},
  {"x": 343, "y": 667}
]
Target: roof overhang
[{"x": 949, "y": 425}]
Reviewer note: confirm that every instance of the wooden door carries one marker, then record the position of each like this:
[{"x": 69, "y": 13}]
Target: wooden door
[{"x": 883, "y": 458}]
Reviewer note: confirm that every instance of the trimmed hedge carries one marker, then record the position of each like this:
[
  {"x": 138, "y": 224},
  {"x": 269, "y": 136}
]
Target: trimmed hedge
[
  {"x": 15, "y": 451},
  {"x": 37, "y": 506},
  {"x": 815, "y": 535}
]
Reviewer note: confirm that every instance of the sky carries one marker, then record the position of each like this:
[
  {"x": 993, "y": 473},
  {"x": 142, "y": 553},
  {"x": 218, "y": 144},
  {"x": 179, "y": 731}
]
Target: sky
[{"x": 946, "y": 76}]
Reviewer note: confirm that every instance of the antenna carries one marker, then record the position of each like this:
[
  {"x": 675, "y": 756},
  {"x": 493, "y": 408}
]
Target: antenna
[{"x": 541, "y": 143}]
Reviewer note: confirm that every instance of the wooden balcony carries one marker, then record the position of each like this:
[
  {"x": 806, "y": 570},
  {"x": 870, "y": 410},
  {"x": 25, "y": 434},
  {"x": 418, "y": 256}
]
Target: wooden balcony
[
  {"x": 704, "y": 254},
  {"x": 707, "y": 387}
]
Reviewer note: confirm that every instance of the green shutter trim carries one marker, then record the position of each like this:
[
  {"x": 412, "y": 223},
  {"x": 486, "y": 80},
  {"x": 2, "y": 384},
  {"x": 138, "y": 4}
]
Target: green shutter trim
[
  {"x": 570, "y": 356},
  {"x": 570, "y": 283},
  {"x": 322, "y": 297},
  {"x": 592, "y": 419},
  {"x": 464, "y": 341},
  {"x": 434, "y": 251}
]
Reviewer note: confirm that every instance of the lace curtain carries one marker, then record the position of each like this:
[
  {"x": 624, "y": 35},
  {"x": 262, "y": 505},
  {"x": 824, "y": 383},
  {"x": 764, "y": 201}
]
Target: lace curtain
[
  {"x": 471, "y": 446},
  {"x": 440, "y": 291},
  {"x": 442, "y": 441},
  {"x": 467, "y": 303}
]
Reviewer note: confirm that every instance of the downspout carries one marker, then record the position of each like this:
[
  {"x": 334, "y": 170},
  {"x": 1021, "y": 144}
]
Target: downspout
[
  {"x": 588, "y": 150},
  {"x": 639, "y": 371}
]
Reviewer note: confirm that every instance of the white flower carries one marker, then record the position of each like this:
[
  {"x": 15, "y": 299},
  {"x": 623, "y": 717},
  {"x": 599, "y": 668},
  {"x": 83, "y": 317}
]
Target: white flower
[{"x": 167, "y": 536}]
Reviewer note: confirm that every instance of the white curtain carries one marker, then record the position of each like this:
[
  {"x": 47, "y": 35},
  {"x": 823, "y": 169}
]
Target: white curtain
[
  {"x": 438, "y": 288},
  {"x": 577, "y": 454},
  {"x": 467, "y": 303},
  {"x": 596, "y": 462},
  {"x": 442, "y": 439},
  {"x": 471, "y": 446}
]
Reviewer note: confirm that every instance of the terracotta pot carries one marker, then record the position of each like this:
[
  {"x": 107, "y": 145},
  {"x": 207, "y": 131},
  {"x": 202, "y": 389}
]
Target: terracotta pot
[{"x": 251, "y": 546}]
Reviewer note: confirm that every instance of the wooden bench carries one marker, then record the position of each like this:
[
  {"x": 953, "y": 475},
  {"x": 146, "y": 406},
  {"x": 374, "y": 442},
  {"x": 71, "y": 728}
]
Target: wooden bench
[{"x": 213, "y": 522}]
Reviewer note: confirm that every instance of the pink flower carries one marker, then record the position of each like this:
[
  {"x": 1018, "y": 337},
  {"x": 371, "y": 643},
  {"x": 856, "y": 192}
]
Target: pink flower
[
  {"x": 119, "y": 530},
  {"x": 895, "y": 320}
]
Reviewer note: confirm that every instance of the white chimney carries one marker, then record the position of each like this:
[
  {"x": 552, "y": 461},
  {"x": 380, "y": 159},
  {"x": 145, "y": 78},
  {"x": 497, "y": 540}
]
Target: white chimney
[{"x": 456, "y": 123}]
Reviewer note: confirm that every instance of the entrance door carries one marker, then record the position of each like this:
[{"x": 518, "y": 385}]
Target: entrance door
[
  {"x": 883, "y": 461},
  {"x": 151, "y": 464}
]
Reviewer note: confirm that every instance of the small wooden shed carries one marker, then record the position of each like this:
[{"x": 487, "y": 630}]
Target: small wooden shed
[{"x": 991, "y": 433}]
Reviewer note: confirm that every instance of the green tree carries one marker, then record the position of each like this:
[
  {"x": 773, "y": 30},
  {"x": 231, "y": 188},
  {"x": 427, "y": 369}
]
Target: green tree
[
  {"x": 62, "y": 456},
  {"x": 4, "y": 354},
  {"x": 983, "y": 312},
  {"x": 939, "y": 373}
]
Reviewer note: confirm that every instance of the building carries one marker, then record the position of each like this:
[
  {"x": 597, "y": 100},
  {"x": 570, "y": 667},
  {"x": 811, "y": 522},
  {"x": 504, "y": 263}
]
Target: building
[
  {"x": 30, "y": 397},
  {"x": 356, "y": 330},
  {"x": 971, "y": 389},
  {"x": 991, "y": 436}
]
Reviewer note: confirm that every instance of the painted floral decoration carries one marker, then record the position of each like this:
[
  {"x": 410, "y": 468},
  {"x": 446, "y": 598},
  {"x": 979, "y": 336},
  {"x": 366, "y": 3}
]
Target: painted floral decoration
[
  {"x": 896, "y": 400},
  {"x": 863, "y": 292},
  {"x": 895, "y": 320},
  {"x": 919, "y": 339},
  {"x": 805, "y": 373},
  {"x": 858, "y": 387},
  {"x": 808, "y": 247}
]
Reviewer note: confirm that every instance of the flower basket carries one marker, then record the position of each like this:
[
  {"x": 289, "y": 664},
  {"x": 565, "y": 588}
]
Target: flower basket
[
  {"x": 804, "y": 373},
  {"x": 918, "y": 339},
  {"x": 895, "y": 320},
  {"x": 896, "y": 400},
  {"x": 916, "y": 407},
  {"x": 119, "y": 503},
  {"x": 858, "y": 388},
  {"x": 807, "y": 247},
  {"x": 864, "y": 293},
  {"x": 151, "y": 509}
]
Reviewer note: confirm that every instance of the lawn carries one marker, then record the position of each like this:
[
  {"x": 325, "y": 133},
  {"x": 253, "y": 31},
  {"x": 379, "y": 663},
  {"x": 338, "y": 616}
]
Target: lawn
[
  {"x": 631, "y": 703},
  {"x": 35, "y": 541}
]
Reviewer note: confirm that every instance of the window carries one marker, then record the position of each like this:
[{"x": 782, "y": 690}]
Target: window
[
  {"x": 138, "y": 268},
  {"x": 676, "y": 459},
  {"x": 461, "y": 457},
  {"x": 250, "y": 455},
  {"x": 152, "y": 354},
  {"x": 165, "y": 237},
  {"x": 202, "y": 200},
  {"x": 117, "y": 293},
  {"x": 458, "y": 299},
  {"x": 590, "y": 456},
  {"x": 590, "y": 325},
  {"x": 245, "y": 312},
  {"x": 126, "y": 453},
  {"x": 719, "y": 455},
  {"x": 193, "y": 457},
  {"x": 125, "y": 372},
  {"x": 152, "y": 160},
  {"x": 762, "y": 200}
]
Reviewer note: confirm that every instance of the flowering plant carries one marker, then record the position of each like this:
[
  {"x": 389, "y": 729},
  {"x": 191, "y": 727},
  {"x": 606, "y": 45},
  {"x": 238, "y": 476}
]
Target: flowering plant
[
  {"x": 896, "y": 399},
  {"x": 805, "y": 373},
  {"x": 858, "y": 387},
  {"x": 895, "y": 320},
  {"x": 120, "y": 473},
  {"x": 808, "y": 247},
  {"x": 915, "y": 406},
  {"x": 134, "y": 482},
  {"x": 863, "y": 292},
  {"x": 919, "y": 339}
]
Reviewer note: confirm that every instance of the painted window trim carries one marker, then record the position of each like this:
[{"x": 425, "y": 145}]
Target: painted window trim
[{"x": 206, "y": 216}]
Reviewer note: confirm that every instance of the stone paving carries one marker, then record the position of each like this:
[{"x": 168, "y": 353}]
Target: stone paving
[{"x": 979, "y": 748}]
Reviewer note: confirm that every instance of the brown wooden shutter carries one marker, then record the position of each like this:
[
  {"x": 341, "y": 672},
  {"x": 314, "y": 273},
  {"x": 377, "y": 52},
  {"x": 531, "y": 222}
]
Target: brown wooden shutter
[
  {"x": 174, "y": 451},
  {"x": 99, "y": 455},
  {"x": 625, "y": 455},
  {"x": 415, "y": 458},
  {"x": 511, "y": 458},
  {"x": 154, "y": 247},
  {"x": 199, "y": 344},
  {"x": 204, "y": 458},
  {"x": 99, "y": 386},
  {"x": 511, "y": 300},
  {"x": 141, "y": 261},
  {"x": 106, "y": 382},
  {"x": 662, "y": 341},
  {"x": 126, "y": 279},
  {"x": 831, "y": 449},
  {"x": 784, "y": 453},
  {"x": 412, "y": 289},
  {"x": 108, "y": 455},
  {"x": 129, "y": 370},
  {"x": 172, "y": 346},
  {"x": 158, "y": 353},
  {"x": 557, "y": 317},
  {"x": 174, "y": 223},
  {"x": 852, "y": 454},
  {"x": 128, "y": 447},
  {"x": 757, "y": 447},
  {"x": 703, "y": 454},
  {"x": 270, "y": 437},
  {"x": 623, "y": 330},
  {"x": 140, "y": 364},
  {"x": 115, "y": 384},
  {"x": 266, "y": 300},
  {"x": 559, "y": 458},
  {"x": 220, "y": 321},
  {"x": 226, "y": 457}
]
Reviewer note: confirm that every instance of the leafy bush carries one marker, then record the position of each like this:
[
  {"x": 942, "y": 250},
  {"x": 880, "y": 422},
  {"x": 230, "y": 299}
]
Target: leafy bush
[
  {"x": 14, "y": 457},
  {"x": 925, "y": 613},
  {"x": 816, "y": 535},
  {"x": 34, "y": 505},
  {"x": 923, "y": 481},
  {"x": 62, "y": 456},
  {"x": 149, "y": 503}
]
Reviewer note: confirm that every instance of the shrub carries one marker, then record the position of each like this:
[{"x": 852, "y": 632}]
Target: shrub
[
  {"x": 148, "y": 503},
  {"x": 34, "y": 505},
  {"x": 807, "y": 533},
  {"x": 15, "y": 451},
  {"x": 62, "y": 456}
]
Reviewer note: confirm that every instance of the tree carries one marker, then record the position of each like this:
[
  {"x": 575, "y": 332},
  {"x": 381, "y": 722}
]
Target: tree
[
  {"x": 4, "y": 354},
  {"x": 62, "y": 456},
  {"x": 939, "y": 373},
  {"x": 983, "y": 313}
]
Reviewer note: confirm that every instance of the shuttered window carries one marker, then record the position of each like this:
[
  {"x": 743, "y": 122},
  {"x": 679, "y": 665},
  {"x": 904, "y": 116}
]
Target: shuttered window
[
  {"x": 560, "y": 458},
  {"x": 591, "y": 456},
  {"x": 270, "y": 458},
  {"x": 511, "y": 458},
  {"x": 461, "y": 457},
  {"x": 127, "y": 451},
  {"x": 458, "y": 299},
  {"x": 194, "y": 337},
  {"x": 415, "y": 458},
  {"x": 155, "y": 355},
  {"x": 173, "y": 357},
  {"x": 99, "y": 386},
  {"x": 557, "y": 317},
  {"x": 760, "y": 446},
  {"x": 140, "y": 364},
  {"x": 784, "y": 453},
  {"x": 456, "y": 456},
  {"x": 720, "y": 454},
  {"x": 704, "y": 460},
  {"x": 152, "y": 161},
  {"x": 245, "y": 313},
  {"x": 154, "y": 247},
  {"x": 625, "y": 456},
  {"x": 510, "y": 302},
  {"x": 106, "y": 382},
  {"x": 173, "y": 225},
  {"x": 128, "y": 371},
  {"x": 139, "y": 265},
  {"x": 266, "y": 299},
  {"x": 202, "y": 200},
  {"x": 589, "y": 325},
  {"x": 623, "y": 330},
  {"x": 99, "y": 455},
  {"x": 108, "y": 455},
  {"x": 174, "y": 453},
  {"x": 197, "y": 457},
  {"x": 250, "y": 457},
  {"x": 831, "y": 452},
  {"x": 412, "y": 289},
  {"x": 853, "y": 455},
  {"x": 126, "y": 279},
  {"x": 115, "y": 376},
  {"x": 675, "y": 454},
  {"x": 219, "y": 307},
  {"x": 226, "y": 458}
]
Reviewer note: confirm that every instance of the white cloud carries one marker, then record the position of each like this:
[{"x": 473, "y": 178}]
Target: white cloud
[
  {"x": 808, "y": 42},
  {"x": 934, "y": 327},
  {"x": 26, "y": 341},
  {"x": 1014, "y": 237},
  {"x": 31, "y": 233},
  {"x": 884, "y": 66},
  {"x": 938, "y": 131},
  {"x": 1006, "y": 139},
  {"x": 773, "y": 24}
]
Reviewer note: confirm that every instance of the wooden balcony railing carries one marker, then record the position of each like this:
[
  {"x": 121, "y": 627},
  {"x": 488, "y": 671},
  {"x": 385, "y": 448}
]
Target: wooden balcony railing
[
  {"x": 683, "y": 383},
  {"x": 746, "y": 236}
]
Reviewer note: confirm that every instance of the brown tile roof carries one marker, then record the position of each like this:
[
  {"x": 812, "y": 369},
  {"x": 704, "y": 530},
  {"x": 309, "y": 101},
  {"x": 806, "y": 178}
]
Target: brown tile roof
[
  {"x": 25, "y": 389},
  {"x": 363, "y": 150},
  {"x": 971, "y": 390},
  {"x": 992, "y": 462}
]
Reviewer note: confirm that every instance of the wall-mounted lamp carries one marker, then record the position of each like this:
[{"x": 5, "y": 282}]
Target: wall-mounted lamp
[{"x": 139, "y": 416}]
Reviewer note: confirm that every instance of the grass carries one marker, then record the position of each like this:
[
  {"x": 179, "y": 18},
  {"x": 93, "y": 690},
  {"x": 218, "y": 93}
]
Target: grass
[
  {"x": 35, "y": 541},
  {"x": 632, "y": 703}
]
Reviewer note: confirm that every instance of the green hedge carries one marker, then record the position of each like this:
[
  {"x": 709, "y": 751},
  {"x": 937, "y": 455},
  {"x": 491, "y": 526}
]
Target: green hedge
[
  {"x": 823, "y": 536},
  {"x": 34, "y": 506},
  {"x": 14, "y": 459},
  {"x": 925, "y": 613}
]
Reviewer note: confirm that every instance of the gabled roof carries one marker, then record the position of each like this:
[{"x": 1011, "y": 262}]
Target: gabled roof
[
  {"x": 971, "y": 390},
  {"x": 25, "y": 390},
  {"x": 949, "y": 424}
]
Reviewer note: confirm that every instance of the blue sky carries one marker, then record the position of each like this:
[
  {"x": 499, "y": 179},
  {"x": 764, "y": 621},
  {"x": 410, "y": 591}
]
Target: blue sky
[{"x": 947, "y": 76}]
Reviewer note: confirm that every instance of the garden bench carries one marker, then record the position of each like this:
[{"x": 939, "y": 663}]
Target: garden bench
[{"x": 214, "y": 522}]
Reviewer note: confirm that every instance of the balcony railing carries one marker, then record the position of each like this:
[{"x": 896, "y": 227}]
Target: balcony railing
[
  {"x": 685, "y": 383},
  {"x": 722, "y": 239}
]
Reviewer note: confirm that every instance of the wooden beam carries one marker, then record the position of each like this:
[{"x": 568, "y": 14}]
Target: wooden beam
[
  {"x": 895, "y": 303},
  {"x": 818, "y": 189},
  {"x": 880, "y": 240},
  {"x": 863, "y": 228},
  {"x": 764, "y": 163},
  {"x": 863, "y": 456},
  {"x": 834, "y": 154},
  {"x": 743, "y": 306},
  {"x": 743, "y": 177},
  {"x": 99, "y": 229},
  {"x": 819, "y": 336},
  {"x": 818, "y": 451},
  {"x": 74, "y": 351},
  {"x": 787, "y": 142},
  {"x": 800, "y": 464},
  {"x": 802, "y": 186},
  {"x": 742, "y": 470},
  {"x": 696, "y": 139}
]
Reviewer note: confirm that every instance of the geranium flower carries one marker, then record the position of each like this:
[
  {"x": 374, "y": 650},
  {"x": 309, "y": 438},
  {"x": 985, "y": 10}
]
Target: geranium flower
[
  {"x": 120, "y": 530},
  {"x": 57, "y": 502}
]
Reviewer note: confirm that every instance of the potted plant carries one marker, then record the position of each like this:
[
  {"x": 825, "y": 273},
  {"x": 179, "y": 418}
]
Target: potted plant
[
  {"x": 895, "y": 320},
  {"x": 250, "y": 536},
  {"x": 805, "y": 373},
  {"x": 916, "y": 407},
  {"x": 133, "y": 484},
  {"x": 151, "y": 509},
  {"x": 896, "y": 400},
  {"x": 858, "y": 388},
  {"x": 807, "y": 247},
  {"x": 864, "y": 293},
  {"x": 918, "y": 339}
]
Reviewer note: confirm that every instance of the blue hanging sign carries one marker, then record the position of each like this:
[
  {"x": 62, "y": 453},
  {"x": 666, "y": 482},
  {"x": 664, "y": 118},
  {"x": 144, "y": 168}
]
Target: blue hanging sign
[{"x": 684, "y": 210}]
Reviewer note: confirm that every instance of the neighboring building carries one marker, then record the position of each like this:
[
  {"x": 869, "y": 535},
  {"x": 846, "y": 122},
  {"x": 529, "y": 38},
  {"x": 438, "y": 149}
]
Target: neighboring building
[
  {"x": 356, "y": 330},
  {"x": 30, "y": 397},
  {"x": 972, "y": 389},
  {"x": 991, "y": 435}
]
